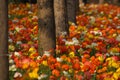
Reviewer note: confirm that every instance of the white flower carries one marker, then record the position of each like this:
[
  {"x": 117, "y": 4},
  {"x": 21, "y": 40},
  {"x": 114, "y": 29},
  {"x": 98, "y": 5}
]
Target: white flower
[
  {"x": 69, "y": 43},
  {"x": 59, "y": 59},
  {"x": 35, "y": 38},
  {"x": 76, "y": 42},
  {"x": 88, "y": 46},
  {"x": 42, "y": 76},
  {"x": 94, "y": 44},
  {"x": 16, "y": 54},
  {"x": 96, "y": 33},
  {"x": 11, "y": 61},
  {"x": 17, "y": 74},
  {"x": 47, "y": 53},
  {"x": 118, "y": 27},
  {"x": 107, "y": 54},
  {"x": 34, "y": 17},
  {"x": 63, "y": 33},
  {"x": 18, "y": 42},
  {"x": 118, "y": 38},
  {"x": 114, "y": 53},
  {"x": 17, "y": 8},
  {"x": 101, "y": 12},
  {"x": 118, "y": 14},
  {"x": 64, "y": 40},
  {"x": 10, "y": 40},
  {"x": 117, "y": 54},
  {"x": 17, "y": 29},
  {"x": 29, "y": 12},
  {"x": 38, "y": 57},
  {"x": 12, "y": 68},
  {"x": 92, "y": 19},
  {"x": 14, "y": 21},
  {"x": 101, "y": 25},
  {"x": 66, "y": 73}
]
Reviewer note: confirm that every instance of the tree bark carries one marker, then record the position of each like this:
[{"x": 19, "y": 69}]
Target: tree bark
[
  {"x": 60, "y": 13},
  {"x": 101, "y": 1},
  {"x": 46, "y": 25},
  {"x": 72, "y": 9},
  {"x": 94, "y": 1},
  {"x": 4, "y": 65}
]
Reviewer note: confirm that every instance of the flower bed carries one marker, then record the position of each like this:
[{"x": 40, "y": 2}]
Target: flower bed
[{"x": 90, "y": 52}]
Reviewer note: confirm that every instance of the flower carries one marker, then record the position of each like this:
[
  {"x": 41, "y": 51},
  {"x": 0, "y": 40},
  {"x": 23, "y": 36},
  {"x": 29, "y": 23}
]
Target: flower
[
  {"x": 65, "y": 67},
  {"x": 45, "y": 63},
  {"x": 56, "y": 73},
  {"x": 17, "y": 74},
  {"x": 34, "y": 73},
  {"x": 71, "y": 54},
  {"x": 12, "y": 68},
  {"x": 42, "y": 76},
  {"x": 59, "y": 59}
]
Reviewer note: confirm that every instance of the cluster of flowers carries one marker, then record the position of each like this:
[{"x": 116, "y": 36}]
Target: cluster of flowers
[
  {"x": 23, "y": 40},
  {"x": 91, "y": 51}
]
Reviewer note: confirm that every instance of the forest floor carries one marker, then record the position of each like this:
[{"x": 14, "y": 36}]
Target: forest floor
[{"x": 90, "y": 52}]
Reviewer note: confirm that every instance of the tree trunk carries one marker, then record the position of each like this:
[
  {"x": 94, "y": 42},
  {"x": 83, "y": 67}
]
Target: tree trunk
[
  {"x": 94, "y": 1},
  {"x": 101, "y": 1},
  {"x": 46, "y": 25},
  {"x": 60, "y": 12},
  {"x": 72, "y": 9},
  {"x": 4, "y": 65}
]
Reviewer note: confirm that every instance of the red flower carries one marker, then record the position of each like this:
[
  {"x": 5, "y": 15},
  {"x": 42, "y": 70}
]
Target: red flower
[
  {"x": 56, "y": 73},
  {"x": 65, "y": 67},
  {"x": 76, "y": 66}
]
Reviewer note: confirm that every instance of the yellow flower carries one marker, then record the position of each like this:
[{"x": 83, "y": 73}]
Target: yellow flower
[
  {"x": 96, "y": 29},
  {"x": 107, "y": 78},
  {"x": 115, "y": 49},
  {"x": 118, "y": 70},
  {"x": 45, "y": 63},
  {"x": 70, "y": 70},
  {"x": 71, "y": 54},
  {"x": 108, "y": 59},
  {"x": 30, "y": 42},
  {"x": 32, "y": 50},
  {"x": 101, "y": 59},
  {"x": 114, "y": 35},
  {"x": 116, "y": 76},
  {"x": 25, "y": 65},
  {"x": 11, "y": 47},
  {"x": 90, "y": 36},
  {"x": 110, "y": 16},
  {"x": 28, "y": 5},
  {"x": 34, "y": 73},
  {"x": 115, "y": 65}
]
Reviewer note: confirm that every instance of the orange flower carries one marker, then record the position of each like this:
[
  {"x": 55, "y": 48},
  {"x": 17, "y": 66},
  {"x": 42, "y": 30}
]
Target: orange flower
[
  {"x": 52, "y": 78},
  {"x": 76, "y": 66},
  {"x": 44, "y": 57},
  {"x": 84, "y": 60},
  {"x": 86, "y": 56},
  {"x": 51, "y": 60},
  {"x": 57, "y": 65},
  {"x": 56, "y": 73},
  {"x": 33, "y": 64},
  {"x": 72, "y": 48},
  {"x": 72, "y": 28},
  {"x": 65, "y": 67}
]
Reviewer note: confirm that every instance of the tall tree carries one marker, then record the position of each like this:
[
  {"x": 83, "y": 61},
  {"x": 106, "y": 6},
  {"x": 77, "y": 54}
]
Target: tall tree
[
  {"x": 60, "y": 12},
  {"x": 65, "y": 11},
  {"x": 3, "y": 40},
  {"x": 46, "y": 25},
  {"x": 72, "y": 9}
]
